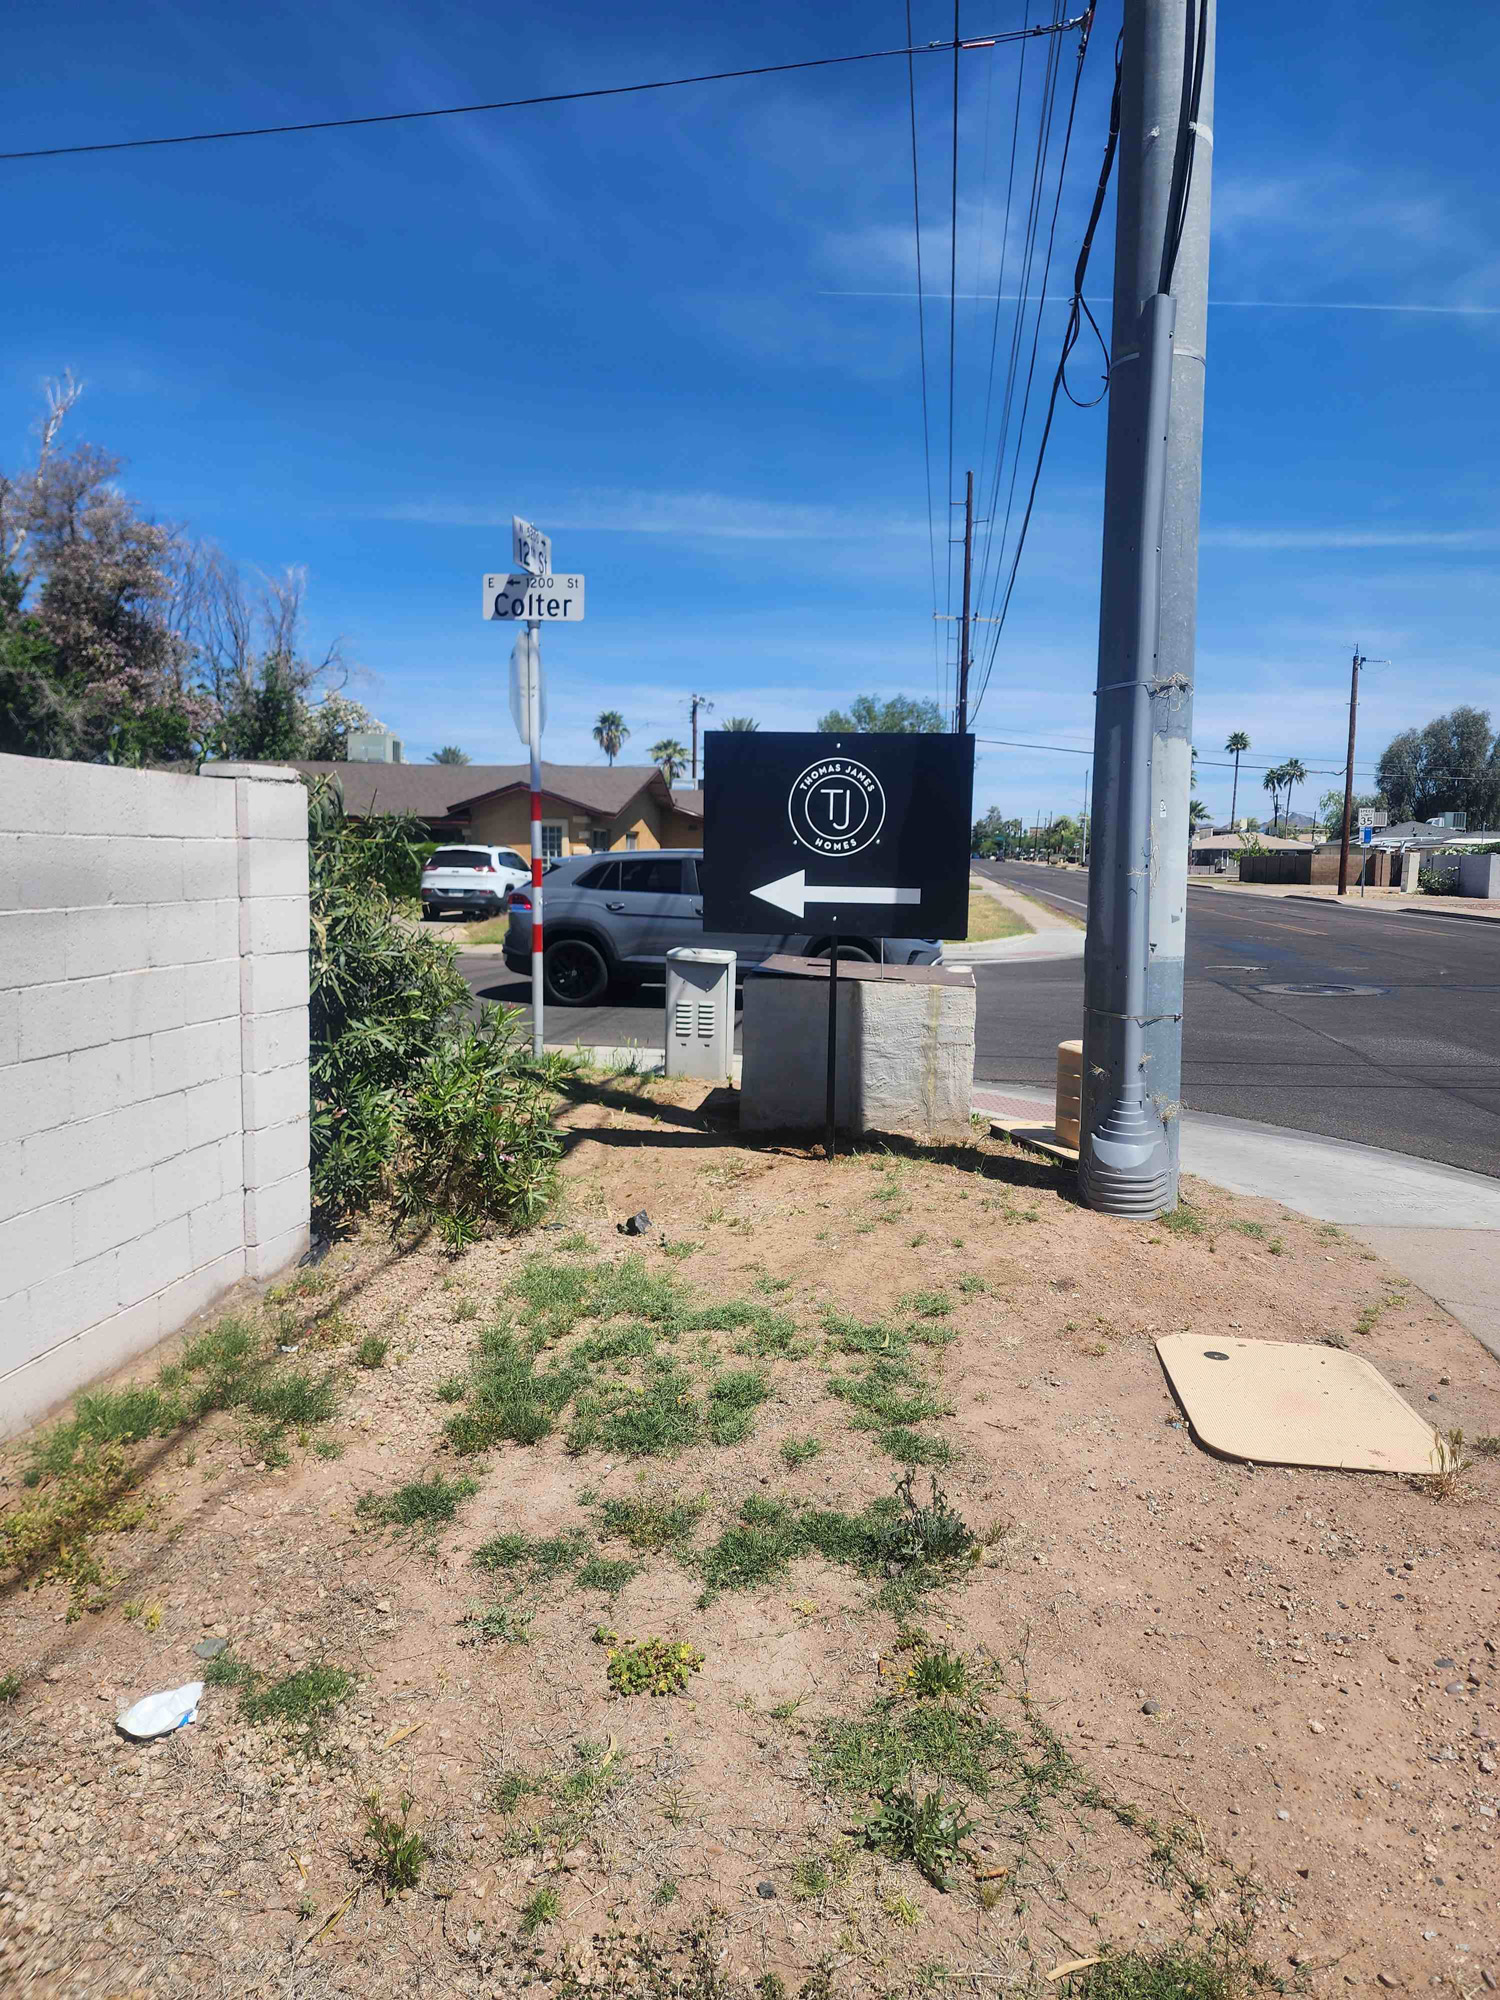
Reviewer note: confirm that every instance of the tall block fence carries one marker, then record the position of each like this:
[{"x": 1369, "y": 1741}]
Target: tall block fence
[{"x": 153, "y": 1057}]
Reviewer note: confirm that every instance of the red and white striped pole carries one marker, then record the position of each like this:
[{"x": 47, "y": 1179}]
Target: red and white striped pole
[{"x": 534, "y": 741}]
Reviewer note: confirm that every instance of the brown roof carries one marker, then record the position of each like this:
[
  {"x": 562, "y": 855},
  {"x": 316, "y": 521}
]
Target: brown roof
[
  {"x": 445, "y": 791},
  {"x": 689, "y": 801}
]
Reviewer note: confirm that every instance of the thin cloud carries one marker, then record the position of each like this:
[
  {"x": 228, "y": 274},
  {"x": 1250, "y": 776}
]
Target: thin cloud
[
  {"x": 713, "y": 516},
  {"x": 1351, "y": 538}
]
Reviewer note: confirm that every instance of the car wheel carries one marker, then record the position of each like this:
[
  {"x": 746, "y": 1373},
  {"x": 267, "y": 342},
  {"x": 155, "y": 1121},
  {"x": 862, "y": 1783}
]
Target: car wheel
[
  {"x": 576, "y": 973},
  {"x": 858, "y": 953}
]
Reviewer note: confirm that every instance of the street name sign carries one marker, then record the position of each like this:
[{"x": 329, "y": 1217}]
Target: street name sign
[
  {"x": 850, "y": 835},
  {"x": 531, "y": 550},
  {"x": 542, "y": 597}
]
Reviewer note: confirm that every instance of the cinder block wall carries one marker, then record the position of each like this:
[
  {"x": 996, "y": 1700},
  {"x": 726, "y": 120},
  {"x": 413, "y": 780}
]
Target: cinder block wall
[{"x": 153, "y": 1057}]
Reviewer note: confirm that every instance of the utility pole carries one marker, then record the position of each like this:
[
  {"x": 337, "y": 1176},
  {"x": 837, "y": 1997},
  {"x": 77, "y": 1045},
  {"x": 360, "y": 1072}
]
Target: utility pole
[
  {"x": 1133, "y": 964},
  {"x": 695, "y": 702},
  {"x": 961, "y": 718},
  {"x": 1354, "y": 667}
]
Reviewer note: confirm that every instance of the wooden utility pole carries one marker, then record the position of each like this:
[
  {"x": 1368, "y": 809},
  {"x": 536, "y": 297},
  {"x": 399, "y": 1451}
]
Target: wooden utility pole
[
  {"x": 695, "y": 702},
  {"x": 961, "y": 715},
  {"x": 1354, "y": 668}
]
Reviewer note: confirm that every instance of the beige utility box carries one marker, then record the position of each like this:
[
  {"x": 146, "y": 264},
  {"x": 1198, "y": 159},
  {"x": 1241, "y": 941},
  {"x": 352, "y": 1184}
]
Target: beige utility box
[{"x": 905, "y": 1048}]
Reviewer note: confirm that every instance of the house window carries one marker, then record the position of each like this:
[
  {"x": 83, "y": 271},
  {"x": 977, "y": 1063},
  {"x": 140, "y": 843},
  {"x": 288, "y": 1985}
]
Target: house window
[
  {"x": 552, "y": 839},
  {"x": 632, "y": 841},
  {"x": 599, "y": 841}
]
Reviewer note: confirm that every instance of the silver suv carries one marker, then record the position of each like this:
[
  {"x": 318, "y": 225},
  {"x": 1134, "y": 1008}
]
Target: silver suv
[{"x": 614, "y": 917}]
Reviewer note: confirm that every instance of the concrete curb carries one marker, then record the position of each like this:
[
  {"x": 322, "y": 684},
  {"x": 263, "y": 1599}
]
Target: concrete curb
[{"x": 1414, "y": 909}]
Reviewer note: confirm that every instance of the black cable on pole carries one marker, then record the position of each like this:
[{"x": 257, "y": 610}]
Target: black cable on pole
[
  {"x": 916, "y": 214},
  {"x": 1194, "y": 55},
  {"x": 524, "y": 103}
]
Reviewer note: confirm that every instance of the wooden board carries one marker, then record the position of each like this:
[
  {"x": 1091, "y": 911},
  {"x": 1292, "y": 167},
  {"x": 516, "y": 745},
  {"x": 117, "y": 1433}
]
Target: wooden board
[
  {"x": 1039, "y": 1138},
  {"x": 1279, "y": 1402}
]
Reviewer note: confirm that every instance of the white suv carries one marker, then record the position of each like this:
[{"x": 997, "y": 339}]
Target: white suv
[{"x": 475, "y": 881}]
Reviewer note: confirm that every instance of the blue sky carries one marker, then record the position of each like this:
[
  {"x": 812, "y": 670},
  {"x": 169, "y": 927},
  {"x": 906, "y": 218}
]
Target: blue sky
[{"x": 677, "y": 330}]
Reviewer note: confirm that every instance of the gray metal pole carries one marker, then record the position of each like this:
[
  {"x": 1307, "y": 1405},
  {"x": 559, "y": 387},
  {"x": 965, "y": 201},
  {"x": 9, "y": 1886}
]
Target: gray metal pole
[{"x": 1133, "y": 964}]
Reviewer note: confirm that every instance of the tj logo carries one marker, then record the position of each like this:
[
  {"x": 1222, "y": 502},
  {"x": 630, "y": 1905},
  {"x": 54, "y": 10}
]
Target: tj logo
[{"x": 837, "y": 807}]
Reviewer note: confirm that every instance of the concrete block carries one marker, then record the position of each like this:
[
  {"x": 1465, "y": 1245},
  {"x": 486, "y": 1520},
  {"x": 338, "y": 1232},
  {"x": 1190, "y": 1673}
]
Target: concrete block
[
  {"x": 273, "y": 867},
  {"x": 273, "y": 980},
  {"x": 1479, "y": 875},
  {"x": 60, "y": 871},
  {"x": 10, "y": 1027},
  {"x": 143, "y": 871},
  {"x": 186, "y": 809},
  {"x": 150, "y": 1000},
  {"x": 74, "y": 1014},
  {"x": 16, "y": 1197},
  {"x": 272, "y": 1211},
  {"x": 184, "y": 1057},
  {"x": 67, "y": 1303},
  {"x": 112, "y": 1214},
  {"x": 212, "y": 1111},
  {"x": 271, "y": 1041},
  {"x": 31, "y": 797},
  {"x": 33, "y": 947},
  {"x": 904, "y": 1061},
  {"x": 273, "y": 923},
  {"x": 274, "y": 1097},
  {"x": 152, "y": 1262},
  {"x": 33, "y": 1096},
  {"x": 276, "y": 1151},
  {"x": 199, "y": 1290},
  {"x": 270, "y": 809},
  {"x": 210, "y": 868},
  {"x": 218, "y": 1227},
  {"x": 270, "y": 1259},
  {"x": 187, "y": 1180},
  {"x": 104, "y": 939},
  {"x": 175, "y": 936},
  {"x": 34, "y": 1246},
  {"x": 10, "y": 871},
  {"x": 107, "y": 1078},
  {"x": 211, "y": 992}
]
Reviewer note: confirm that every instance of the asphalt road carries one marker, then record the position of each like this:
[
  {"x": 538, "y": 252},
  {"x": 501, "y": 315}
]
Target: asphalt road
[{"x": 1413, "y": 1065}]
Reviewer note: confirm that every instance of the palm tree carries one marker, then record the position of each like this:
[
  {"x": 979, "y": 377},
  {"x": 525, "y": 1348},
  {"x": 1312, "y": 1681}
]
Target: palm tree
[
  {"x": 1293, "y": 772},
  {"x": 672, "y": 757},
  {"x": 610, "y": 733},
  {"x": 1272, "y": 782},
  {"x": 1237, "y": 742},
  {"x": 1197, "y": 814},
  {"x": 449, "y": 754},
  {"x": 740, "y": 723}
]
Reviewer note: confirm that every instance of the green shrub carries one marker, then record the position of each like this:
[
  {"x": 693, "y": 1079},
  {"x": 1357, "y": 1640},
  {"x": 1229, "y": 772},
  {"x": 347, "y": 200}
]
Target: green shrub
[
  {"x": 409, "y": 1098},
  {"x": 371, "y": 1351}
]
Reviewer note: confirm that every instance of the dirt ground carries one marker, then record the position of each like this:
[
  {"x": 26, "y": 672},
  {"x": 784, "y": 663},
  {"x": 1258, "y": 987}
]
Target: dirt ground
[{"x": 1250, "y": 1713}]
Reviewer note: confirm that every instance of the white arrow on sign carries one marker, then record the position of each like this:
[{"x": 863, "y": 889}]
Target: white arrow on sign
[{"x": 790, "y": 892}]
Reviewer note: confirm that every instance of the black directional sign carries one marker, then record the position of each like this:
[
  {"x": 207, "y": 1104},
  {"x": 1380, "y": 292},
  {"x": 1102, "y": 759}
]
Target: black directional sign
[{"x": 847, "y": 836}]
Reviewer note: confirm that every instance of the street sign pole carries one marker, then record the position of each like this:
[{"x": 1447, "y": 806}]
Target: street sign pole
[
  {"x": 830, "y": 1136},
  {"x": 534, "y": 733}
]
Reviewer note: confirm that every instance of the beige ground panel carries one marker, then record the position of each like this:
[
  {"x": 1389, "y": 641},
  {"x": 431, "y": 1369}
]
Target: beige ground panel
[{"x": 1280, "y": 1402}]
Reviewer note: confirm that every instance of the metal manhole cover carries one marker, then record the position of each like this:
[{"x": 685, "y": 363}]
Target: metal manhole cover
[{"x": 1325, "y": 992}]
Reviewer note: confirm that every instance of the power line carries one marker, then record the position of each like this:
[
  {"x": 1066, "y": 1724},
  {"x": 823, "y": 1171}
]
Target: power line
[
  {"x": 952, "y": 324},
  {"x": 916, "y": 212},
  {"x": 526, "y": 103}
]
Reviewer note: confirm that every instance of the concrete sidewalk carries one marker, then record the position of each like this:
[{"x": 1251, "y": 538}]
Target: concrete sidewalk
[
  {"x": 1052, "y": 935},
  {"x": 1448, "y": 1241}
]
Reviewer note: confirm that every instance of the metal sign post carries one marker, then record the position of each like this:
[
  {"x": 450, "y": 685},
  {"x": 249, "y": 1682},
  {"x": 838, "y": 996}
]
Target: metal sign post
[
  {"x": 863, "y": 836},
  {"x": 532, "y": 595}
]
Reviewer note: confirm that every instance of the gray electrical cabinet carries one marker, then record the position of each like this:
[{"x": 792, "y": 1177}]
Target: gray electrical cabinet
[{"x": 700, "y": 1012}]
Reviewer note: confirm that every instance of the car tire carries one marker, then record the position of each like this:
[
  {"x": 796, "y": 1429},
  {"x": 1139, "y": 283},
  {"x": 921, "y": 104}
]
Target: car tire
[
  {"x": 575, "y": 972},
  {"x": 856, "y": 954}
]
